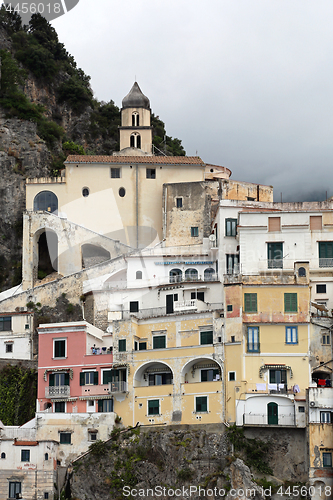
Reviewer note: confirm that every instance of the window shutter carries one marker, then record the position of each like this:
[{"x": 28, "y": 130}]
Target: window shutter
[
  {"x": 274, "y": 224},
  {"x": 106, "y": 376},
  {"x": 51, "y": 380},
  {"x": 82, "y": 378},
  {"x": 100, "y": 405},
  {"x": 247, "y": 302},
  {"x": 66, "y": 379},
  {"x": 294, "y": 302},
  {"x": 315, "y": 222},
  {"x": 95, "y": 378}
]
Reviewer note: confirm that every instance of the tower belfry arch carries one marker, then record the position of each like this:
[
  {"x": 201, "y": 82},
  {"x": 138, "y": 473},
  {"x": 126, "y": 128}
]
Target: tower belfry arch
[{"x": 136, "y": 136}]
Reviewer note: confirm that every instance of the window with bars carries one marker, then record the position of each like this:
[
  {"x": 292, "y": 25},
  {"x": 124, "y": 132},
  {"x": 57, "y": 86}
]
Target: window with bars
[
  {"x": 115, "y": 173},
  {"x": 250, "y": 302},
  {"x": 291, "y": 335},
  {"x": 290, "y": 302},
  {"x": 325, "y": 253}
]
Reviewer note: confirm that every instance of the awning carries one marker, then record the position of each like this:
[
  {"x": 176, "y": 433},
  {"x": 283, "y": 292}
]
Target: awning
[
  {"x": 274, "y": 367},
  {"x": 321, "y": 307},
  {"x": 91, "y": 398}
]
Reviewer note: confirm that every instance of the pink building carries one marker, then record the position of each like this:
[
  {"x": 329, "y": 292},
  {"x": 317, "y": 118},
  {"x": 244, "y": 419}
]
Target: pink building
[
  {"x": 74, "y": 368},
  {"x": 75, "y": 396}
]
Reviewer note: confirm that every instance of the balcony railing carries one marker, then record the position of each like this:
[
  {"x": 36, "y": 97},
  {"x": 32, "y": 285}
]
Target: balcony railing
[
  {"x": 275, "y": 263},
  {"x": 185, "y": 305},
  {"x": 57, "y": 390},
  {"x": 161, "y": 311},
  {"x": 325, "y": 262},
  {"x": 263, "y": 419},
  {"x": 119, "y": 386},
  {"x": 183, "y": 279}
]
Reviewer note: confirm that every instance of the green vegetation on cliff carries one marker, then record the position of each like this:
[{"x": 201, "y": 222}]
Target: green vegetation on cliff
[
  {"x": 18, "y": 393},
  {"x": 37, "y": 49}
]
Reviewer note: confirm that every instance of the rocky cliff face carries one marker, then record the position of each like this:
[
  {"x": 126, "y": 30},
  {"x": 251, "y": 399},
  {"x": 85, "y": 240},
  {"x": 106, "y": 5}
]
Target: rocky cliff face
[{"x": 166, "y": 462}]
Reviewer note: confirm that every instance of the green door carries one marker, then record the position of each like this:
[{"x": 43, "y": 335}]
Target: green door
[{"x": 272, "y": 411}]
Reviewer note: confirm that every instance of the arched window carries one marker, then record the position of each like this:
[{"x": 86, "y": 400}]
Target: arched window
[
  {"x": 46, "y": 456},
  {"x": 301, "y": 272},
  {"x": 3, "y": 455},
  {"x": 175, "y": 276},
  {"x": 135, "y": 119},
  {"x": 135, "y": 141},
  {"x": 139, "y": 275},
  {"x": 191, "y": 274},
  {"x": 209, "y": 274},
  {"x": 46, "y": 201}
]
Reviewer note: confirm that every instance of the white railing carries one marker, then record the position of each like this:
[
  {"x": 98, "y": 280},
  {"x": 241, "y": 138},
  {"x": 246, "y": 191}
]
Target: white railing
[
  {"x": 262, "y": 419},
  {"x": 57, "y": 390},
  {"x": 119, "y": 386},
  {"x": 185, "y": 305}
]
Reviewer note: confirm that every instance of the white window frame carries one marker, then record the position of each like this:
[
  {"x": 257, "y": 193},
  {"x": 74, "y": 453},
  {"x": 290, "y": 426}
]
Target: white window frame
[
  {"x": 159, "y": 408},
  {"x": 325, "y": 417},
  {"x": 60, "y": 412},
  {"x": 92, "y": 433},
  {"x": 56, "y": 340},
  {"x": 195, "y": 404},
  {"x": 91, "y": 408}
]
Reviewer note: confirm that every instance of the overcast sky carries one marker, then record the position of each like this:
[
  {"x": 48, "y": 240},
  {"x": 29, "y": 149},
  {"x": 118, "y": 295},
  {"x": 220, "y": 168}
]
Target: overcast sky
[{"x": 244, "y": 83}]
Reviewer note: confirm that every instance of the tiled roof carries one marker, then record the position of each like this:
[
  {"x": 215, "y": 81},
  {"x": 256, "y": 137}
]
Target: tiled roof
[{"x": 156, "y": 160}]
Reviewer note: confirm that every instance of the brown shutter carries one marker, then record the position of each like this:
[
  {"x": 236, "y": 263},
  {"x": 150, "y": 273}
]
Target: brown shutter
[
  {"x": 315, "y": 222},
  {"x": 274, "y": 224}
]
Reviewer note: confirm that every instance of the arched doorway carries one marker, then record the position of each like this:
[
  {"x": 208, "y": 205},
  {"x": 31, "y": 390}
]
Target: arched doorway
[
  {"x": 273, "y": 414},
  {"x": 47, "y": 253}
]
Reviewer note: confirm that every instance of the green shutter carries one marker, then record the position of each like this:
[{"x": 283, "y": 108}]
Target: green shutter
[
  {"x": 51, "y": 380},
  {"x": 100, "y": 405},
  {"x": 159, "y": 342},
  {"x": 82, "y": 378},
  {"x": 153, "y": 407},
  {"x": 250, "y": 302},
  {"x": 106, "y": 376},
  {"x": 95, "y": 378},
  {"x": 66, "y": 379},
  {"x": 122, "y": 345},
  {"x": 290, "y": 302},
  {"x": 206, "y": 338},
  {"x": 201, "y": 403}
]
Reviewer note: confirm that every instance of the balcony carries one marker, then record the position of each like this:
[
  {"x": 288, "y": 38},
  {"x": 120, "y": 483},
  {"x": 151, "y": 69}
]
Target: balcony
[
  {"x": 263, "y": 419},
  {"x": 95, "y": 390},
  {"x": 185, "y": 305},
  {"x": 57, "y": 391},
  {"x": 325, "y": 262},
  {"x": 119, "y": 386}
]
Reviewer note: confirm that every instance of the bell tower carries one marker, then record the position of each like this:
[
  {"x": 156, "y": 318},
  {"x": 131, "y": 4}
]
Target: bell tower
[{"x": 136, "y": 136}]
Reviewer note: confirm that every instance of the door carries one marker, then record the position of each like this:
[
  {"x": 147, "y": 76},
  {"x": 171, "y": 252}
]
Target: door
[
  {"x": 169, "y": 304},
  {"x": 273, "y": 416}
]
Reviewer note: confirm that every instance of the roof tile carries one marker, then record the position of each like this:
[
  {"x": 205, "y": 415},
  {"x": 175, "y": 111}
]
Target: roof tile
[{"x": 158, "y": 160}]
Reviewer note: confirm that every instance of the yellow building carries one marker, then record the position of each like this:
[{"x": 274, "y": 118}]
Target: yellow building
[
  {"x": 266, "y": 353},
  {"x": 168, "y": 369}
]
